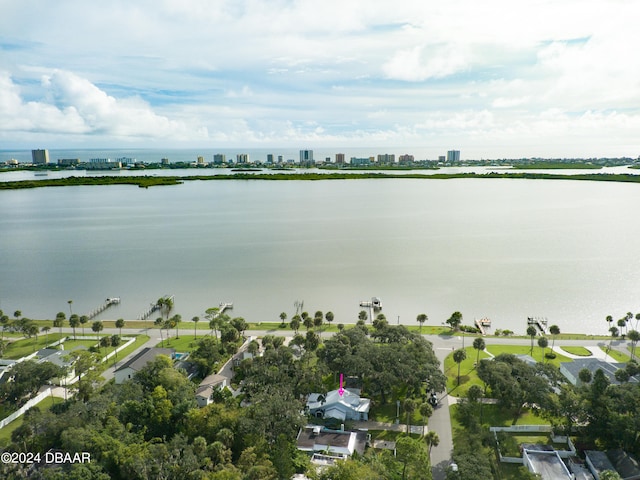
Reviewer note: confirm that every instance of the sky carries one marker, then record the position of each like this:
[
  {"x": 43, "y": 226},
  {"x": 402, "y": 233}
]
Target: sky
[{"x": 494, "y": 79}]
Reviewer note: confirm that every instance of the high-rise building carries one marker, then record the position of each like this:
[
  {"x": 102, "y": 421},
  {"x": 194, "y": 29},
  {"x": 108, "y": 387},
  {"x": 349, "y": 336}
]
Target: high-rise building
[
  {"x": 340, "y": 158},
  {"x": 387, "y": 159},
  {"x": 269, "y": 157},
  {"x": 453, "y": 156},
  {"x": 40, "y": 157},
  {"x": 219, "y": 158},
  {"x": 242, "y": 158},
  {"x": 306, "y": 157}
]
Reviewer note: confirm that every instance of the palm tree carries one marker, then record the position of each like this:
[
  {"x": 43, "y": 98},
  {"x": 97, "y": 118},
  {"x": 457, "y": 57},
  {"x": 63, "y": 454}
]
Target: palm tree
[
  {"x": 283, "y": 317},
  {"x": 637, "y": 320},
  {"x": 409, "y": 408},
  {"x": 432, "y": 439},
  {"x": 175, "y": 320},
  {"x": 426, "y": 411},
  {"x": 4, "y": 321},
  {"x": 317, "y": 321},
  {"x": 421, "y": 319},
  {"x": 158, "y": 322},
  {"x": 634, "y": 336},
  {"x": 120, "y": 324},
  {"x": 212, "y": 315},
  {"x": 329, "y": 317},
  {"x": 479, "y": 345},
  {"x": 105, "y": 341},
  {"x": 32, "y": 330},
  {"x": 70, "y": 311},
  {"x": 455, "y": 320},
  {"x": 59, "y": 321},
  {"x": 166, "y": 305},
  {"x": 532, "y": 332},
  {"x": 614, "y": 333},
  {"x": 459, "y": 356},
  {"x": 74, "y": 321},
  {"x": 195, "y": 321},
  {"x": 622, "y": 322},
  {"x": 543, "y": 343},
  {"x": 295, "y": 323},
  {"x": 83, "y": 319},
  {"x": 554, "y": 330},
  {"x": 363, "y": 315},
  {"x": 17, "y": 314},
  {"x": 308, "y": 322},
  {"x": 97, "y": 327},
  {"x": 46, "y": 329}
]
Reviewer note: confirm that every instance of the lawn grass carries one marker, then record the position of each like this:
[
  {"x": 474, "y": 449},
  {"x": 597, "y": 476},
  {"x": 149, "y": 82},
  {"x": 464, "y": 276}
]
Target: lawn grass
[
  {"x": 468, "y": 376},
  {"x": 21, "y": 348},
  {"x": 75, "y": 344},
  {"x": 139, "y": 341},
  {"x": 580, "y": 351},
  {"x": 185, "y": 343},
  {"x": 5, "y": 433},
  {"x": 616, "y": 355},
  {"x": 526, "y": 350}
]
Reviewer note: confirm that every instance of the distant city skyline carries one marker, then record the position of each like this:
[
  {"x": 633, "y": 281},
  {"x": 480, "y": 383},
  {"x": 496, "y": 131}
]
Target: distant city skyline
[{"x": 544, "y": 78}]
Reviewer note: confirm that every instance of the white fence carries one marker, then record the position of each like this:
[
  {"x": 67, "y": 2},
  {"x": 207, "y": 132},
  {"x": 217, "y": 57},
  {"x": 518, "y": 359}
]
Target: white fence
[
  {"x": 569, "y": 452},
  {"x": 35, "y": 400}
]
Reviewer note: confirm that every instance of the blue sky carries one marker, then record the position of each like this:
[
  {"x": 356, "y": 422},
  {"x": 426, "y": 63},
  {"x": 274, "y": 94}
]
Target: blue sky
[{"x": 494, "y": 79}]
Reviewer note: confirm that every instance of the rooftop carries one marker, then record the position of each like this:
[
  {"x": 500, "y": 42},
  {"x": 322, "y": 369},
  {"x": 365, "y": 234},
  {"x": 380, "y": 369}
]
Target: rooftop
[
  {"x": 313, "y": 438},
  {"x": 144, "y": 356}
]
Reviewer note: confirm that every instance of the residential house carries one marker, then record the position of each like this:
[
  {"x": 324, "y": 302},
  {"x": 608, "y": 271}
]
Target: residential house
[
  {"x": 60, "y": 358},
  {"x": 211, "y": 383},
  {"x": 571, "y": 370},
  {"x": 127, "y": 370},
  {"x": 345, "y": 404},
  {"x": 329, "y": 445}
]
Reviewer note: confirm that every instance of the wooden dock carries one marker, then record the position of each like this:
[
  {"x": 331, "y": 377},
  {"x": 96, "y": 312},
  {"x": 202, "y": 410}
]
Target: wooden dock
[
  {"x": 483, "y": 324},
  {"x": 153, "y": 307},
  {"x": 107, "y": 303},
  {"x": 540, "y": 323},
  {"x": 224, "y": 306}
]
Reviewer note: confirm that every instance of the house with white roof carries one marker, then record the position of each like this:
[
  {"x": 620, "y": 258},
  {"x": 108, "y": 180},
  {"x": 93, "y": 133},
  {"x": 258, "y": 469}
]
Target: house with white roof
[
  {"x": 327, "y": 446},
  {"x": 344, "y": 404}
]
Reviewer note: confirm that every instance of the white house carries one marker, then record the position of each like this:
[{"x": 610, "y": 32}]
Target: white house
[
  {"x": 207, "y": 387},
  {"x": 127, "y": 370},
  {"x": 61, "y": 359},
  {"x": 345, "y": 406},
  {"x": 333, "y": 444}
]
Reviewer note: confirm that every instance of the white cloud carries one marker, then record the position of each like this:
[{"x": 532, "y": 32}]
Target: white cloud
[
  {"x": 257, "y": 71},
  {"x": 421, "y": 63},
  {"x": 79, "y": 107}
]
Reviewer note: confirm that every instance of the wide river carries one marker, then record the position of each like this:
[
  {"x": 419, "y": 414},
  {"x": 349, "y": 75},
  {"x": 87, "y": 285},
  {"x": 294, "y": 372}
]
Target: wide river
[{"x": 504, "y": 249}]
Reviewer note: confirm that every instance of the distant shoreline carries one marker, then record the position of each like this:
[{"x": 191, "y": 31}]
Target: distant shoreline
[{"x": 151, "y": 181}]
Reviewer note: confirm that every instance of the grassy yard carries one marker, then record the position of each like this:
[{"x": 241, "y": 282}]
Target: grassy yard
[
  {"x": 617, "y": 355},
  {"x": 580, "y": 351},
  {"x": 140, "y": 340},
  {"x": 5, "y": 433},
  {"x": 468, "y": 375},
  {"x": 526, "y": 350},
  {"x": 185, "y": 343},
  {"x": 387, "y": 413},
  {"x": 26, "y": 346}
]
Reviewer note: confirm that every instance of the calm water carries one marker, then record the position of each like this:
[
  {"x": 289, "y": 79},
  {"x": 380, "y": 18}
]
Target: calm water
[{"x": 504, "y": 249}]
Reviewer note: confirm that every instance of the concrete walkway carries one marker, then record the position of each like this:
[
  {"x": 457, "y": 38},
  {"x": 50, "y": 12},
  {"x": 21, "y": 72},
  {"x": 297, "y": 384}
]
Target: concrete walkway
[{"x": 596, "y": 352}]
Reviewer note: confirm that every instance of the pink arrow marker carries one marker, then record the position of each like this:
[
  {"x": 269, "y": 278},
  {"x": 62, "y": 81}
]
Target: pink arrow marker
[{"x": 341, "y": 390}]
